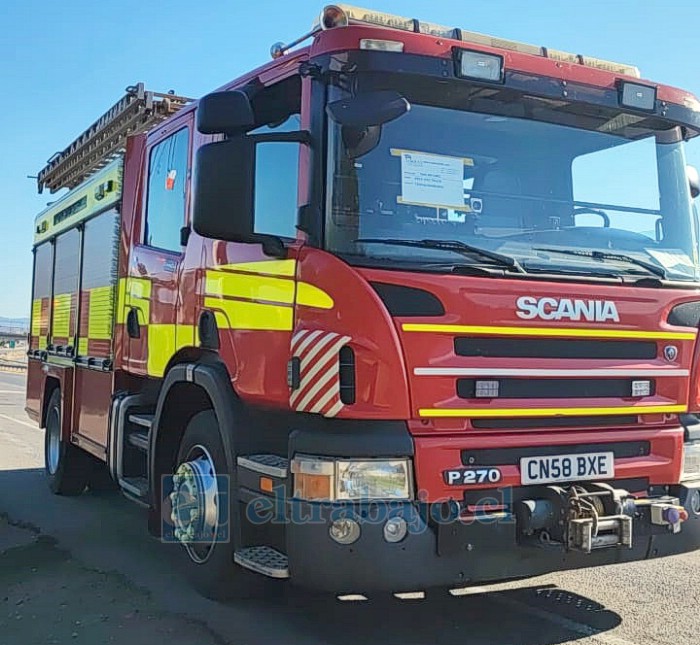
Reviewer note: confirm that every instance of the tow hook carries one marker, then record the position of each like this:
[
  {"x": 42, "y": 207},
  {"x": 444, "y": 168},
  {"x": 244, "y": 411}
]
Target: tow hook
[
  {"x": 594, "y": 516},
  {"x": 666, "y": 512}
]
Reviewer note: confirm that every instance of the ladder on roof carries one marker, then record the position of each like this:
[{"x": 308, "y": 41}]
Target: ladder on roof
[{"x": 137, "y": 111}]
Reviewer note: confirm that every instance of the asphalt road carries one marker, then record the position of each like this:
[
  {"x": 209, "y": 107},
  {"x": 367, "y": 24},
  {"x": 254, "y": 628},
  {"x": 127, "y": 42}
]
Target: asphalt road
[{"x": 84, "y": 570}]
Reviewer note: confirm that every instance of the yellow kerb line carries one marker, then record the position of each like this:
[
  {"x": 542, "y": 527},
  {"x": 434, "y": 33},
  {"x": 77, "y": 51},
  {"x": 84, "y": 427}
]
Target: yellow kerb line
[
  {"x": 549, "y": 412},
  {"x": 547, "y": 331}
]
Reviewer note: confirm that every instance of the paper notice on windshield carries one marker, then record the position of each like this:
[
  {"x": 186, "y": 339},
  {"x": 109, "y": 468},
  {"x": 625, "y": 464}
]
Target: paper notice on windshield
[{"x": 433, "y": 180}]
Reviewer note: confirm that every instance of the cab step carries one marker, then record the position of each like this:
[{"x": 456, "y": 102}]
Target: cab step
[
  {"x": 263, "y": 559},
  {"x": 143, "y": 420},
  {"x": 265, "y": 464},
  {"x": 139, "y": 440},
  {"x": 136, "y": 487}
]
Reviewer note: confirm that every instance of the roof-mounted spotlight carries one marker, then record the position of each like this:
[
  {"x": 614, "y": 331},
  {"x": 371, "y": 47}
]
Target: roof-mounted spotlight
[
  {"x": 333, "y": 16},
  {"x": 638, "y": 96}
]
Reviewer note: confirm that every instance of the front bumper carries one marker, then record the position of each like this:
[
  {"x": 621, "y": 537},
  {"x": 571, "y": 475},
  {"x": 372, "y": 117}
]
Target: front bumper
[{"x": 454, "y": 553}]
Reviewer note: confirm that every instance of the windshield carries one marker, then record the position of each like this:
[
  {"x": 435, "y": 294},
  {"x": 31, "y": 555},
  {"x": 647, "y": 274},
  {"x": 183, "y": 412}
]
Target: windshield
[{"x": 607, "y": 185}]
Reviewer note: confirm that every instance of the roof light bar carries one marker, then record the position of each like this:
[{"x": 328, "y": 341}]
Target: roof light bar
[{"x": 341, "y": 15}]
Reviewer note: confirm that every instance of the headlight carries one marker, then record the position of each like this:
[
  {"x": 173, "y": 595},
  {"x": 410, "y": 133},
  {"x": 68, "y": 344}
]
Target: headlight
[
  {"x": 691, "y": 461},
  {"x": 318, "y": 478},
  {"x": 377, "y": 479}
]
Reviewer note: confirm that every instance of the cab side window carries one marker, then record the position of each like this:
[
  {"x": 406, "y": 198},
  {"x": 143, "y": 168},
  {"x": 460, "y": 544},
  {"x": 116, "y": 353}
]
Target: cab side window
[
  {"x": 167, "y": 191},
  {"x": 277, "y": 181},
  {"x": 277, "y": 109}
]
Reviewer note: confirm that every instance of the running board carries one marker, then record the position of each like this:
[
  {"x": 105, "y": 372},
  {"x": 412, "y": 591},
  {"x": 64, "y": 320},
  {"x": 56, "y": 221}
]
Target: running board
[{"x": 264, "y": 560}]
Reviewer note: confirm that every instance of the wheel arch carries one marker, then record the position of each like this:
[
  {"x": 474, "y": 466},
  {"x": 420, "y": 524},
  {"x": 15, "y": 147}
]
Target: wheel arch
[
  {"x": 50, "y": 385},
  {"x": 189, "y": 388}
]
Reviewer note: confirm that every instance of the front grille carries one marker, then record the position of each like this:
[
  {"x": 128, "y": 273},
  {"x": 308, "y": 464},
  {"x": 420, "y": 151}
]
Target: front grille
[
  {"x": 512, "y": 456},
  {"x": 554, "y": 348},
  {"x": 552, "y": 388},
  {"x": 554, "y": 422}
]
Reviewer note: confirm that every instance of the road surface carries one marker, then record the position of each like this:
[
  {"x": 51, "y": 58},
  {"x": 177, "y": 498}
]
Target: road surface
[{"x": 84, "y": 570}]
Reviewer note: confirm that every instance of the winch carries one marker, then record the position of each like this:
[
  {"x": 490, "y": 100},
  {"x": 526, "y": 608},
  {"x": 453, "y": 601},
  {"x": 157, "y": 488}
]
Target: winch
[{"x": 594, "y": 516}]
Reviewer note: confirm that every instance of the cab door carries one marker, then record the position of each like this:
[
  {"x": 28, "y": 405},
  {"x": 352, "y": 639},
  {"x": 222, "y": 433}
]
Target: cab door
[{"x": 151, "y": 288}]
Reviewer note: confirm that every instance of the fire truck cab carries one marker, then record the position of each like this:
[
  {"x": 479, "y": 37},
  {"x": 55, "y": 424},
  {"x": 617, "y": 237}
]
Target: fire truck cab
[{"x": 408, "y": 306}]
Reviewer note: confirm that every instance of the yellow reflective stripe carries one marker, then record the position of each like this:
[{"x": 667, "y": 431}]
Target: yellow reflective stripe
[
  {"x": 161, "y": 347},
  {"x": 186, "y": 336},
  {"x": 270, "y": 289},
  {"x": 36, "y": 317},
  {"x": 239, "y": 314},
  {"x": 61, "y": 315},
  {"x": 101, "y": 313},
  {"x": 121, "y": 301},
  {"x": 82, "y": 347},
  {"x": 270, "y": 267},
  {"x": 311, "y": 296},
  {"x": 164, "y": 340},
  {"x": 134, "y": 293},
  {"x": 252, "y": 287},
  {"x": 43, "y": 343},
  {"x": 549, "y": 412},
  {"x": 547, "y": 331}
]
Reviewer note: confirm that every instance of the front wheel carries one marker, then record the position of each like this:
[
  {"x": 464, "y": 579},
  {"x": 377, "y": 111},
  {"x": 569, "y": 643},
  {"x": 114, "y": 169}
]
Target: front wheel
[
  {"x": 67, "y": 466},
  {"x": 201, "y": 504}
]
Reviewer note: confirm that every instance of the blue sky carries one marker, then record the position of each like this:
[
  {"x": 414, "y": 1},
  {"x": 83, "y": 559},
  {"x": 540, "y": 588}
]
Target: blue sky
[{"x": 64, "y": 63}]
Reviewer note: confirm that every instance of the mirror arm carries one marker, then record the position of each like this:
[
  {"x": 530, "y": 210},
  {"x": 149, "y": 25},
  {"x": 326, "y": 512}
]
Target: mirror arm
[
  {"x": 301, "y": 136},
  {"x": 272, "y": 245}
]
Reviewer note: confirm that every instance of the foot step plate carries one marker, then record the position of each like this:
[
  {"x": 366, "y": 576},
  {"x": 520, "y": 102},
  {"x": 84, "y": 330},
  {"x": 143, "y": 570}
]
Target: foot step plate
[
  {"x": 272, "y": 465},
  {"x": 263, "y": 559}
]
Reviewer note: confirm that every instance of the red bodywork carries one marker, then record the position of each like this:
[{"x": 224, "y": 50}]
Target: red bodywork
[{"x": 386, "y": 354}]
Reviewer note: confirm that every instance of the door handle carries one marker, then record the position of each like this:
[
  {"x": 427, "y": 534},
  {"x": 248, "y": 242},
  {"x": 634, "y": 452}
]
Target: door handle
[{"x": 132, "y": 323}]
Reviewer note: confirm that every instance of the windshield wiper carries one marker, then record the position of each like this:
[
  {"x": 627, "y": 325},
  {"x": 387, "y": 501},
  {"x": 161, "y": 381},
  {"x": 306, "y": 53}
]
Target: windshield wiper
[
  {"x": 604, "y": 255},
  {"x": 449, "y": 245}
]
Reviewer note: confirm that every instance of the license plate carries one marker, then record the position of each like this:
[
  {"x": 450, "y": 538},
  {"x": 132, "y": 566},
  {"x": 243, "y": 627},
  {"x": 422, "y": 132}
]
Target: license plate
[{"x": 564, "y": 468}]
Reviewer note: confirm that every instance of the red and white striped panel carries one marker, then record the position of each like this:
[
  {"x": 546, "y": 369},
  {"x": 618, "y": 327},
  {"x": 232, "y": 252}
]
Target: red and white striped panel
[{"x": 319, "y": 371}]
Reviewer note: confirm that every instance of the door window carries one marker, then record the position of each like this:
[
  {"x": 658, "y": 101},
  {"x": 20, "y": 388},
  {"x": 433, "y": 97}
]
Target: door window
[{"x": 167, "y": 191}]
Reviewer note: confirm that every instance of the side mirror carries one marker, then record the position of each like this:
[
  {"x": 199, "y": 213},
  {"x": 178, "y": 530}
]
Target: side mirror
[
  {"x": 362, "y": 117},
  {"x": 245, "y": 189},
  {"x": 371, "y": 108},
  {"x": 223, "y": 190},
  {"x": 228, "y": 113},
  {"x": 693, "y": 176}
]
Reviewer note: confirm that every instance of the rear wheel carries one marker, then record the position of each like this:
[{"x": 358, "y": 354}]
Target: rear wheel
[{"x": 67, "y": 467}]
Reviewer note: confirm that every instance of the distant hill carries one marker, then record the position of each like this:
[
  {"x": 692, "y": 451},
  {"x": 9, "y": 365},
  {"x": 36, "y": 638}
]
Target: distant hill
[{"x": 14, "y": 323}]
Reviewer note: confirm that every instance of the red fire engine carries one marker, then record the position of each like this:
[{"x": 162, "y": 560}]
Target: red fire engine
[{"x": 408, "y": 306}]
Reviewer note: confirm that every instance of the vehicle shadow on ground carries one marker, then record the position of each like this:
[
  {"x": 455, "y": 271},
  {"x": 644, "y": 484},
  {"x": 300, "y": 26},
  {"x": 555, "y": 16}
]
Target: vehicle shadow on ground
[{"x": 534, "y": 615}]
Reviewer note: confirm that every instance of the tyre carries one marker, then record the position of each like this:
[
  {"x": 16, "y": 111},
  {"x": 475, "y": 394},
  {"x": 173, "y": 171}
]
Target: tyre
[
  {"x": 207, "y": 553},
  {"x": 99, "y": 479},
  {"x": 67, "y": 467}
]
